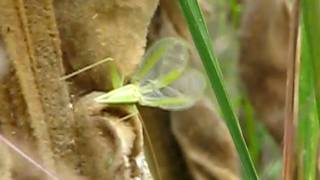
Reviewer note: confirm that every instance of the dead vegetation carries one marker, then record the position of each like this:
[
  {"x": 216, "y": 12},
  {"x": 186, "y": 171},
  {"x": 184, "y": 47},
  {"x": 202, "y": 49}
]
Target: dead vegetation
[
  {"x": 58, "y": 124},
  {"x": 263, "y": 60}
]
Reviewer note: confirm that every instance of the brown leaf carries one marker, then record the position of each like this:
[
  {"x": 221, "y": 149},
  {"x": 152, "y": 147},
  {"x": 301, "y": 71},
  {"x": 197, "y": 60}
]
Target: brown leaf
[
  {"x": 205, "y": 142},
  {"x": 93, "y": 30},
  {"x": 263, "y": 60},
  {"x": 109, "y": 148}
]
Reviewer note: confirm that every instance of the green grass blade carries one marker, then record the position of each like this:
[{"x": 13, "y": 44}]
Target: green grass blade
[
  {"x": 311, "y": 56},
  {"x": 202, "y": 41},
  {"x": 235, "y": 12},
  {"x": 251, "y": 131},
  {"x": 311, "y": 14},
  {"x": 308, "y": 128}
]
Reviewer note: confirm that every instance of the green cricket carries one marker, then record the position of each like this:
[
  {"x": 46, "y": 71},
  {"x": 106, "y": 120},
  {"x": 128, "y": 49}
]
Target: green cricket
[{"x": 162, "y": 80}]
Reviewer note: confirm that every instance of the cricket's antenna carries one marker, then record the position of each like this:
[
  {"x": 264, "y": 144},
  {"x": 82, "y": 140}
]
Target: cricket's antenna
[
  {"x": 152, "y": 152},
  {"x": 25, "y": 156},
  {"x": 85, "y": 68},
  {"x": 128, "y": 116}
]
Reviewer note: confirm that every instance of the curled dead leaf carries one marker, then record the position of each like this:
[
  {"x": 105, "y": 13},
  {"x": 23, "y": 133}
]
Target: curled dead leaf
[{"x": 263, "y": 60}]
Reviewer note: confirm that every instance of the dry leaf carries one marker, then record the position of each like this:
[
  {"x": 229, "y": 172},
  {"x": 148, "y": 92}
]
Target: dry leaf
[
  {"x": 206, "y": 143},
  {"x": 109, "y": 148},
  {"x": 93, "y": 30},
  {"x": 263, "y": 60}
]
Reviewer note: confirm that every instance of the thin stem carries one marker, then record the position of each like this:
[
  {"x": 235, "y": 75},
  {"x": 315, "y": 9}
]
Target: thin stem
[
  {"x": 291, "y": 95},
  {"x": 25, "y": 156},
  {"x": 149, "y": 144}
]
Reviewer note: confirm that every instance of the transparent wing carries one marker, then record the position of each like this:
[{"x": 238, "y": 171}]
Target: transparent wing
[
  {"x": 181, "y": 94},
  {"x": 163, "y": 63}
]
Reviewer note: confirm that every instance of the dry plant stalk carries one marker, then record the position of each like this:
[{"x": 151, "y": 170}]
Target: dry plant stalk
[
  {"x": 39, "y": 102},
  {"x": 292, "y": 95}
]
